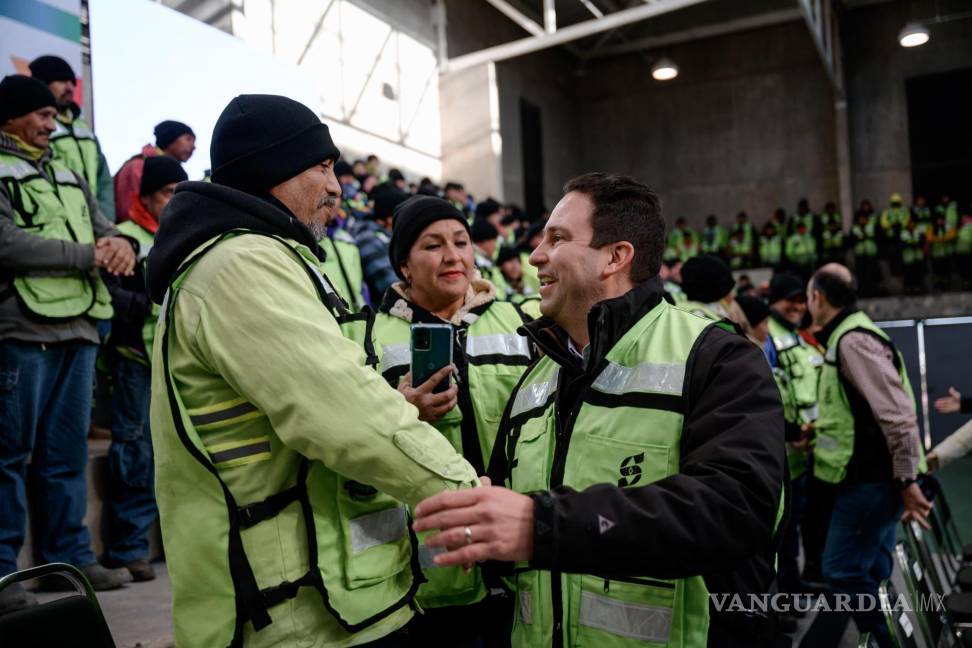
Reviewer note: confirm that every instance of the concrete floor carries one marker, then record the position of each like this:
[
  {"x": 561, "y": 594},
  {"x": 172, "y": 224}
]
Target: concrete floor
[{"x": 139, "y": 614}]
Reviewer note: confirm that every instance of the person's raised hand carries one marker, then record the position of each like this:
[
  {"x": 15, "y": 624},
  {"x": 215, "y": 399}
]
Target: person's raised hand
[
  {"x": 431, "y": 406},
  {"x": 951, "y": 403}
]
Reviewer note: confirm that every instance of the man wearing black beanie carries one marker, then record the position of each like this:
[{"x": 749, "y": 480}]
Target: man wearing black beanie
[
  {"x": 53, "y": 241},
  {"x": 73, "y": 142},
  {"x": 708, "y": 286},
  {"x": 266, "y": 418},
  {"x": 373, "y": 235},
  {"x": 172, "y": 138}
]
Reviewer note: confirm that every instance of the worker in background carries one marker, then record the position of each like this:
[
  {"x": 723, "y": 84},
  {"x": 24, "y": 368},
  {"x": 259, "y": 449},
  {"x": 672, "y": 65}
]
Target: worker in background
[
  {"x": 617, "y": 527},
  {"x": 747, "y": 231},
  {"x": 867, "y": 446},
  {"x": 770, "y": 246},
  {"x": 74, "y": 143},
  {"x": 801, "y": 250},
  {"x": 172, "y": 138},
  {"x": 433, "y": 256},
  {"x": 832, "y": 243},
  {"x": 130, "y": 506},
  {"x": 53, "y": 241},
  {"x": 864, "y": 243},
  {"x": 796, "y": 368},
  {"x": 714, "y": 238},
  {"x": 912, "y": 250},
  {"x": 941, "y": 247},
  {"x": 282, "y": 457},
  {"x": 372, "y": 234}
]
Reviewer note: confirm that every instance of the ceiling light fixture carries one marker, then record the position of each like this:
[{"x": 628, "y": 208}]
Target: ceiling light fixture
[
  {"x": 664, "y": 70},
  {"x": 913, "y": 34}
]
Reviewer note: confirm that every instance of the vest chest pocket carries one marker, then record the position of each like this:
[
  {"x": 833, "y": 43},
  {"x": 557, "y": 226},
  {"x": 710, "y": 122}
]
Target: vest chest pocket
[
  {"x": 618, "y": 614},
  {"x": 599, "y": 459},
  {"x": 531, "y": 455},
  {"x": 375, "y": 533}
]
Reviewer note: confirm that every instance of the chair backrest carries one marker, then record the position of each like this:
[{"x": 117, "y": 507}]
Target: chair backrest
[
  {"x": 919, "y": 547},
  {"x": 947, "y": 554},
  {"x": 903, "y": 632},
  {"x": 72, "y": 620},
  {"x": 926, "y": 602}
]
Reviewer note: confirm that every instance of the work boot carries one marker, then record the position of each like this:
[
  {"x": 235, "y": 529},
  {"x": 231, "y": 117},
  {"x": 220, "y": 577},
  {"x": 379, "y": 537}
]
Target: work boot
[
  {"x": 101, "y": 578},
  {"x": 141, "y": 570},
  {"x": 15, "y": 597}
]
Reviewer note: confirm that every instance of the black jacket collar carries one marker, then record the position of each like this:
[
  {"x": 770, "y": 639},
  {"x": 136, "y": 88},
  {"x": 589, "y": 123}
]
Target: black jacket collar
[
  {"x": 607, "y": 322},
  {"x": 200, "y": 211},
  {"x": 823, "y": 335}
]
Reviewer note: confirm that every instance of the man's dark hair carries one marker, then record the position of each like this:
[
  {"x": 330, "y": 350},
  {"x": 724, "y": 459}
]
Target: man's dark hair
[
  {"x": 625, "y": 210},
  {"x": 838, "y": 292},
  {"x": 453, "y": 186}
]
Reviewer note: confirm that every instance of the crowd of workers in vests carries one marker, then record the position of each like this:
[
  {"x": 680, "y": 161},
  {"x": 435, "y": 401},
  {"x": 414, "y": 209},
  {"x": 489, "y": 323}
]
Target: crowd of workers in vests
[
  {"x": 924, "y": 246},
  {"x": 268, "y": 314}
]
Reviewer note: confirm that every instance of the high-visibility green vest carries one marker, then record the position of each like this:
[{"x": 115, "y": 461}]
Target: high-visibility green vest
[
  {"x": 740, "y": 252},
  {"x": 950, "y": 212},
  {"x": 771, "y": 249},
  {"x": 832, "y": 241},
  {"x": 489, "y": 271},
  {"x": 495, "y": 358},
  {"x": 700, "y": 310},
  {"x": 963, "y": 244},
  {"x": 912, "y": 250},
  {"x": 75, "y": 145},
  {"x": 676, "y": 292},
  {"x": 895, "y": 216},
  {"x": 826, "y": 218},
  {"x": 530, "y": 278},
  {"x": 801, "y": 249},
  {"x": 322, "y": 560},
  {"x": 629, "y": 417},
  {"x": 146, "y": 240},
  {"x": 922, "y": 215},
  {"x": 714, "y": 239},
  {"x": 795, "y": 220},
  {"x": 342, "y": 263},
  {"x": 865, "y": 239},
  {"x": 52, "y": 205},
  {"x": 836, "y": 426},
  {"x": 796, "y": 376}
]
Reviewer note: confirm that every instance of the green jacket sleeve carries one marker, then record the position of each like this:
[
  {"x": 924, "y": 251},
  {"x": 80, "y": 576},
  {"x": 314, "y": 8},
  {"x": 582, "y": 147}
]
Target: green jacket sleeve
[
  {"x": 106, "y": 188},
  {"x": 263, "y": 328}
]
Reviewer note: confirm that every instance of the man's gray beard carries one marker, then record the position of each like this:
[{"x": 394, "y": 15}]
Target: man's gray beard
[{"x": 317, "y": 229}]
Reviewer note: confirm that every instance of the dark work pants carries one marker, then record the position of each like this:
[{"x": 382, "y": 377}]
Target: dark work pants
[{"x": 45, "y": 410}]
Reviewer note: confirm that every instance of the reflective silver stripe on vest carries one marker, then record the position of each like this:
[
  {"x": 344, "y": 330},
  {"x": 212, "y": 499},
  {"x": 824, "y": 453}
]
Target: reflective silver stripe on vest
[
  {"x": 632, "y": 620},
  {"x": 654, "y": 377},
  {"x": 811, "y": 413},
  {"x": 831, "y": 356},
  {"x": 826, "y": 442},
  {"x": 17, "y": 169},
  {"x": 328, "y": 288},
  {"x": 526, "y": 607},
  {"x": 240, "y": 452},
  {"x": 532, "y": 396},
  {"x": 376, "y": 529},
  {"x": 503, "y": 344},
  {"x": 395, "y": 355},
  {"x": 64, "y": 176},
  {"x": 83, "y": 132},
  {"x": 816, "y": 360},
  {"x": 223, "y": 415},
  {"x": 427, "y": 556},
  {"x": 785, "y": 343}
]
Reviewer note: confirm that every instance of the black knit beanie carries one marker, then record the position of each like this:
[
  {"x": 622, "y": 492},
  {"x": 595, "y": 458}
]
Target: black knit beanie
[
  {"x": 706, "y": 279},
  {"x": 756, "y": 309},
  {"x": 483, "y": 230},
  {"x": 51, "y": 68},
  {"x": 411, "y": 218},
  {"x": 342, "y": 168},
  {"x": 169, "y": 131},
  {"x": 386, "y": 197},
  {"x": 262, "y": 140},
  {"x": 785, "y": 286},
  {"x": 158, "y": 172},
  {"x": 21, "y": 94}
]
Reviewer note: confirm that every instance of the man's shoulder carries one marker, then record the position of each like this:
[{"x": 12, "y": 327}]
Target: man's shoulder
[{"x": 239, "y": 260}]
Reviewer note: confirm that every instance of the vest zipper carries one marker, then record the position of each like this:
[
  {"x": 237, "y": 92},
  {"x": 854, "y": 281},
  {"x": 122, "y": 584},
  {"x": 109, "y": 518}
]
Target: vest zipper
[{"x": 561, "y": 445}]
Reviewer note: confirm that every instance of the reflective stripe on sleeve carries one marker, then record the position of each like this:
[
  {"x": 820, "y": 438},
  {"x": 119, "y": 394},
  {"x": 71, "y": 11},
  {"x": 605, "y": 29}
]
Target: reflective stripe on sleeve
[
  {"x": 64, "y": 176},
  {"x": 499, "y": 344},
  {"x": 395, "y": 355},
  {"x": 231, "y": 411},
  {"x": 239, "y": 452}
]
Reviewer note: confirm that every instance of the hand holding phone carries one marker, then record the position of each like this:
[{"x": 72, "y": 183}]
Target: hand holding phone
[{"x": 431, "y": 351}]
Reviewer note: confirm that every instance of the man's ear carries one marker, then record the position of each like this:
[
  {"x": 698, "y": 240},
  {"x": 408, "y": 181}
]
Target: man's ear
[{"x": 622, "y": 255}]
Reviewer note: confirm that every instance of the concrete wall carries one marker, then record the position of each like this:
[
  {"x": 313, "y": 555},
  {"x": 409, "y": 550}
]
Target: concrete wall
[
  {"x": 545, "y": 79},
  {"x": 876, "y": 68},
  {"x": 748, "y": 124}
]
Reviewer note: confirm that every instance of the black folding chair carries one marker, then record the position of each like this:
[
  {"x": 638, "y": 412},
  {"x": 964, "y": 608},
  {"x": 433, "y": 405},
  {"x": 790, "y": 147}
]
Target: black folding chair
[
  {"x": 73, "y": 620},
  {"x": 903, "y": 632}
]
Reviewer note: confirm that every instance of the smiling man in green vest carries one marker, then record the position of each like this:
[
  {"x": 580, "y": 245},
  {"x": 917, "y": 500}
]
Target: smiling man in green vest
[
  {"x": 282, "y": 458},
  {"x": 653, "y": 477},
  {"x": 53, "y": 241}
]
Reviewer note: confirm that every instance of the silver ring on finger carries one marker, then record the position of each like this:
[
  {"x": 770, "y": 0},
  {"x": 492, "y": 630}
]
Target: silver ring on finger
[{"x": 468, "y": 532}]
